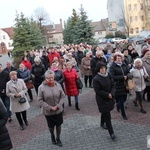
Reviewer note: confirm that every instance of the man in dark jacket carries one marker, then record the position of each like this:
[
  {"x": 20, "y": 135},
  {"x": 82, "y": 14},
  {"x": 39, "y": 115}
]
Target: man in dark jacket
[
  {"x": 4, "y": 78},
  {"x": 5, "y": 141},
  {"x": 9, "y": 67}
]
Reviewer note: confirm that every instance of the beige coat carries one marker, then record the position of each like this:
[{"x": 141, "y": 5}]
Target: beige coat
[
  {"x": 85, "y": 63},
  {"x": 50, "y": 97},
  {"x": 20, "y": 88}
]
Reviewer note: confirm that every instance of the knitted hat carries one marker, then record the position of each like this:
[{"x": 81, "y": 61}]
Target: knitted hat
[{"x": 145, "y": 51}]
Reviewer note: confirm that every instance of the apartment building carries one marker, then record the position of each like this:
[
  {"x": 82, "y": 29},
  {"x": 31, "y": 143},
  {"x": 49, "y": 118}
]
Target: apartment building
[{"x": 134, "y": 15}]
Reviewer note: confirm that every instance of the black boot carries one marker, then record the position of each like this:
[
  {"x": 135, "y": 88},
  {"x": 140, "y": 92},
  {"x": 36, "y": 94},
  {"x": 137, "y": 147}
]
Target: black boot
[
  {"x": 77, "y": 107},
  {"x": 69, "y": 102},
  {"x": 53, "y": 139}
]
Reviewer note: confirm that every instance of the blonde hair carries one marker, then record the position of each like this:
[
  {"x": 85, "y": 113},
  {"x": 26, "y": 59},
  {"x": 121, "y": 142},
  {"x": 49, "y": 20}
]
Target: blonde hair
[{"x": 13, "y": 73}]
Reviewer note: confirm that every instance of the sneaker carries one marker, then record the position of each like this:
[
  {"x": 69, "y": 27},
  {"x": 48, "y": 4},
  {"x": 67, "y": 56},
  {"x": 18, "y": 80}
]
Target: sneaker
[{"x": 143, "y": 111}]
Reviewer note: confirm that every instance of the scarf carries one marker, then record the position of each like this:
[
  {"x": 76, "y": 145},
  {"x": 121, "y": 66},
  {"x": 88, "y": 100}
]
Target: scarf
[
  {"x": 103, "y": 75},
  {"x": 54, "y": 69},
  {"x": 50, "y": 83},
  {"x": 14, "y": 81}
]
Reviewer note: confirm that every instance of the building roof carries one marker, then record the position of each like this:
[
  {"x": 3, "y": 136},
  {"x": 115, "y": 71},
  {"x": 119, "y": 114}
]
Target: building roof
[
  {"x": 9, "y": 31},
  {"x": 100, "y": 25}
]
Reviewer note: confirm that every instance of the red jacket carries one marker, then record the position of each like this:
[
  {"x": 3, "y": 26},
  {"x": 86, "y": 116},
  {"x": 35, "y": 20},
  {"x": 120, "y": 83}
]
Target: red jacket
[
  {"x": 52, "y": 55},
  {"x": 70, "y": 82},
  {"x": 27, "y": 64}
]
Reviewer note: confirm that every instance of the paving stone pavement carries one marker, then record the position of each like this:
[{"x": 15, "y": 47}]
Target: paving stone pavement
[{"x": 81, "y": 129}]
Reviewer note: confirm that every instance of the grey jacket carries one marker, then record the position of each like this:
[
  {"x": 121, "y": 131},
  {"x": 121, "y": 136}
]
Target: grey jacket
[{"x": 50, "y": 97}]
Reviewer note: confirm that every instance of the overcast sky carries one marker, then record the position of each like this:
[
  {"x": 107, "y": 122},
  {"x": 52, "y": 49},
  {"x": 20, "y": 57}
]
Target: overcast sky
[{"x": 96, "y": 9}]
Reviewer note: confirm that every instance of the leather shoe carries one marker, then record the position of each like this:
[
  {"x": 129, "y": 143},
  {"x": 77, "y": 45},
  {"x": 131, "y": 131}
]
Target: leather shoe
[
  {"x": 143, "y": 111},
  {"x": 124, "y": 117},
  {"x": 53, "y": 140},
  {"x": 26, "y": 122},
  {"x": 21, "y": 127},
  {"x": 113, "y": 137},
  {"x": 104, "y": 126},
  {"x": 59, "y": 143}
]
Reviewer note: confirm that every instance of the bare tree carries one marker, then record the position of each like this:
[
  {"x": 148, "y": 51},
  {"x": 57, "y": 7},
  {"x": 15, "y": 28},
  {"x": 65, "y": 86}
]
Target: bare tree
[{"x": 41, "y": 16}]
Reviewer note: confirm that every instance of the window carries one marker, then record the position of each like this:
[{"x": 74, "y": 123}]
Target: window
[
  {"x": 135, "y": 6},
  {"x": 131, "y": 30},
  {"x": 130, "y": 19},
  {"x": 142, "y": 18},
  {"x": 137, "y": 30},
  {"x": 9, "y": 44},
  {"x": 129, "y": 7},
  {"x": 99, "y": 32},
  {"x": 141, "y": 6},
  {"x": 143, "y": 28},
  {"x": 136, "y": 18},
  {"x": 3, "y": 36}
]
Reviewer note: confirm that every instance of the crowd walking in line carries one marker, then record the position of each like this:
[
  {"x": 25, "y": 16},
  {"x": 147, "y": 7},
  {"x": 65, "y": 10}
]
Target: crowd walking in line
[{"x": 53, "y": 73}]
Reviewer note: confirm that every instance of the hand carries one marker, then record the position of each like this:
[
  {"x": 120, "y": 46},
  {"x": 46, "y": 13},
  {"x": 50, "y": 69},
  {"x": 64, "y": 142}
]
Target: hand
[
  {"x": 110, "y": 96},
  {"x": 125, "y": 77},
  {"x": 54, "y": 108}
]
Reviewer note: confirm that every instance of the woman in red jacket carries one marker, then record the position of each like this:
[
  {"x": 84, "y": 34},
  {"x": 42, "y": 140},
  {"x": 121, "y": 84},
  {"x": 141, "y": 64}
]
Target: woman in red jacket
[
  {"x": 26, "y": 62},
  {"x": 71, "y": 76}
]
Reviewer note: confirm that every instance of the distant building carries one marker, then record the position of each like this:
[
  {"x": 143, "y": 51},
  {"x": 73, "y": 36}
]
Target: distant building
[
  {"x": 54, "y": 33},
  {"x": 6, "y": 39},
  {"x": 130, "y": 16},
  {"x": 100, "y": 28}
]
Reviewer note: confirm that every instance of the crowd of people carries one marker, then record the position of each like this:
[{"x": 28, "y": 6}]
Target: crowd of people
[{"x": 54, "y": 72}]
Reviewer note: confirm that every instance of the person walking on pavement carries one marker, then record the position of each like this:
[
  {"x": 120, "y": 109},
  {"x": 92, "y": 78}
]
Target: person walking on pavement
[
  {"x": 15, "y": 89},
  {"x": 119, "y": 71},
  {"x": 105, "y": 91},
  {"x": 70, "y": 77},
  {"x": 5, "y": 141},
  {"x": 51, "y": 97}
]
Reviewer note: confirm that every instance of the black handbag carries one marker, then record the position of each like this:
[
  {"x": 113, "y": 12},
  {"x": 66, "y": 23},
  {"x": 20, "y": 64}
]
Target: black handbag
[
  {"x": 22, "y": 100},
  {"x": 79, "y": 83}
]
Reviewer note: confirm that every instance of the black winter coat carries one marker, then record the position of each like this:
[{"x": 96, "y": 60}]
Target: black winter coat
[
  {"x": 94, "y": 62},
  {"x": 4, "y": 78},
  {"x": 118, "y": 73},
  {"x": 102, "y": 87},
  {"x": 5, "y": 141},
  {"x": 38, "y": 71}
]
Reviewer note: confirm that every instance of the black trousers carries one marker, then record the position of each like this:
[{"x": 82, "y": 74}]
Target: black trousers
[
  {"x": 21, "y": 116},
  {"x": 106, "y": 118},
  {"x": 147, "y": 90},
  {"x": 86, "y": 79},
  {"x": 30, "y": 94}
]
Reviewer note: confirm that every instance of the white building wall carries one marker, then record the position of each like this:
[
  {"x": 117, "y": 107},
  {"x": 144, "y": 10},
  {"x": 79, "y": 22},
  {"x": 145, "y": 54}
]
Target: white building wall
[
  {"x": 115, "y": 10},
  {"x": 4, "y": 37}
]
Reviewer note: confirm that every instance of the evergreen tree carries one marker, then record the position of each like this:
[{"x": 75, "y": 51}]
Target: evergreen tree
[
  {"x": 69, "y": 31},
  {"x": 27, "y": 36},
  {"x": 83, "y": 29}
]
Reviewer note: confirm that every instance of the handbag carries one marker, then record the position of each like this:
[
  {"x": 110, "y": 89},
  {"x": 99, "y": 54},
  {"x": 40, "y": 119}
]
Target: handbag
[
  {"x": 22, "y": 100},
  {"x": 29, "y": 85},
  {"x": 130, "y": 84},
  {"x": 79, "y": 83}
]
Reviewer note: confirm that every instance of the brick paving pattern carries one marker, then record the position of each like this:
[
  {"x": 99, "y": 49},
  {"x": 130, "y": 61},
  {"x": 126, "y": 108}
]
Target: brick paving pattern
[{"x": 81, "y": 129}]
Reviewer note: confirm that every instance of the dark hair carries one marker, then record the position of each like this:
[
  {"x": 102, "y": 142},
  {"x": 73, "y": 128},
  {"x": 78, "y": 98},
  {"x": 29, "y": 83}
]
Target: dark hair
[{"x": 117, "y": 55}]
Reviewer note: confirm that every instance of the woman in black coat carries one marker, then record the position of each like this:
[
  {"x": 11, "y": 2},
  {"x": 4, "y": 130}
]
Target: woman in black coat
[
  {"x": 119, "y": 71},
  {"x": 105, "y": 90},
  {"x": 5, "y": 141}
]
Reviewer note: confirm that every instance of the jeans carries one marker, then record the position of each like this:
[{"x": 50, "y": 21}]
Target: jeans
[
  {"x": 120, "y": 103},
  {"x": 76, "y": 98},
  {"x": 6, "y": 101}
]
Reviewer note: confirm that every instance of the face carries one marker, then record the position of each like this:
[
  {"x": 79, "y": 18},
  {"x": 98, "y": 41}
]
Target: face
[
  {"x": 69, "y": 66},
  {"x": 138, "y": 64},
  {"x": 50, "y": 78},
  {"x": 21, "y": 67},
  {"x": 25, "y": 58},
  {"x": 13, "y": 76},
  {"x": 147, "y": 55},
  {"x": 54, "y": 65},
  {"x": 37, "y": 63},
  {"x": 103, "y": 70},
  {"x": 130, "y": 48},
  {"x": 126, "y": 53},
  {"x": 1, "y": 68},
  {"x": 69, "y": 56},
  {"x": 8, "y": 65},
  {"x": 118, "y": 59}
]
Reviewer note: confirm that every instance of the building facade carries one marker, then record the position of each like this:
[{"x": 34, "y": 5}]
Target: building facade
[{"x": 131, "y": 16}]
